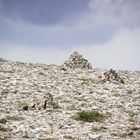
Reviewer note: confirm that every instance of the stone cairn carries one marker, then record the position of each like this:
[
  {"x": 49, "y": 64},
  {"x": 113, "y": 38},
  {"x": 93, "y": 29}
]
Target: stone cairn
[
  {"x": 46, "y": 103},
  {"x": 112, "y": 76},
  {"x": 76, "y": 61}
]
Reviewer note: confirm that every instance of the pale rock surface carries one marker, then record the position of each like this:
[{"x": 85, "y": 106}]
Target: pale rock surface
[{"x": 72, "y": 90}]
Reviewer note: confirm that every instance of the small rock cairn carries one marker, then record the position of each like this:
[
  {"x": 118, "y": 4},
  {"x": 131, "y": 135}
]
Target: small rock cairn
[
  {"x": 112, "y": 76},
  {"x": 76, "y": 61},
  {"x": 46, "y": 103}
]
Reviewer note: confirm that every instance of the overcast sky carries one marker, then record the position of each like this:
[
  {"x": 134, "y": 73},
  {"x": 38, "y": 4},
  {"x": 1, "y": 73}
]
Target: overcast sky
[{"x": 106, "y": 32}]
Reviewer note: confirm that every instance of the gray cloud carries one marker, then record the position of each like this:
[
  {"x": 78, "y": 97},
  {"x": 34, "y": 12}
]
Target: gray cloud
[
  {"x": 105, "y": 31},
  {"x": 97, "y": 24},
  {"x": 122, "y": 12},
  {"x": 42, "y": 12}
]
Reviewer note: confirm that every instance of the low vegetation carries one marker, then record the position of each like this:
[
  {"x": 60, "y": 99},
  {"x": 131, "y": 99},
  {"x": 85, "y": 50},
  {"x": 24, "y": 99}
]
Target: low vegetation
[{"x": 89, "y": 116}]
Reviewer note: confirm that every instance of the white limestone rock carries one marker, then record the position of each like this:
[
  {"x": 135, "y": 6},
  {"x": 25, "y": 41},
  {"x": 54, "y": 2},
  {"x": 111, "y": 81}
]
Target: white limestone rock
[{"x": 74, "y": 90}]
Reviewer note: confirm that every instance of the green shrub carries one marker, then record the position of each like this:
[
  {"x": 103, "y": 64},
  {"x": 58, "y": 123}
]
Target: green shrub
[{"x": 89, "y": 116}]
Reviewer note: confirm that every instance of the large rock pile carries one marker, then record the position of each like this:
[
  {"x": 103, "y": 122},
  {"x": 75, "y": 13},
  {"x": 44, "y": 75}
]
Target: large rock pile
[{"x": 76, "y": 61}]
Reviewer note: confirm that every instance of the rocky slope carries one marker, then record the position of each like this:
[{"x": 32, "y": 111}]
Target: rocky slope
[{"x": 39, "y": 102}]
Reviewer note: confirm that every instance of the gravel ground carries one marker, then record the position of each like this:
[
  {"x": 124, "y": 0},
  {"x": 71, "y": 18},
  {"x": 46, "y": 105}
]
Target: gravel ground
[{"x": 39, "y": 102}]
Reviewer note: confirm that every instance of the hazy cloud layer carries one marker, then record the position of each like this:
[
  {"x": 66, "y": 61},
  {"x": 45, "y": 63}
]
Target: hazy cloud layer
[
  {"x": 122, "y": 52},
  {"x": 106, "y": 31}
]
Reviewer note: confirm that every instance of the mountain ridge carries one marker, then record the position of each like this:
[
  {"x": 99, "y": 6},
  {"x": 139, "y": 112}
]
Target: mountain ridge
[{"x": 40, "y": 101}]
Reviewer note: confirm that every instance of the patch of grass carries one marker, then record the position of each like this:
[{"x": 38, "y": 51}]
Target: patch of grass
[{"x": 89, "y": 116}]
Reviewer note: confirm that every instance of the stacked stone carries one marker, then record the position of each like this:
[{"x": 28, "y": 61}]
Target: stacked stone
[
  {"x": 112, "y": 76},
  {"x": 45, "y": 103},
  {"x": 76, "y": 61}
]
